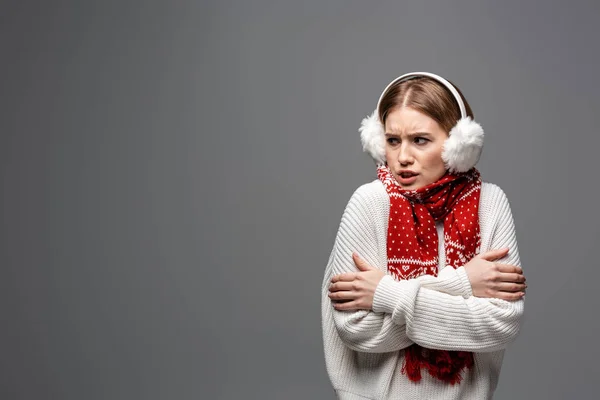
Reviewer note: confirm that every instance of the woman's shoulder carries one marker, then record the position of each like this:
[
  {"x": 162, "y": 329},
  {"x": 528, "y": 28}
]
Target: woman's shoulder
[
  {"x": 370, "y": 191},
  {"x": 373, "y": 188},
  {"x": 493, "y": 199},
  {"x": 491, "y": 190},
  {"x": 370, "y": 195}
]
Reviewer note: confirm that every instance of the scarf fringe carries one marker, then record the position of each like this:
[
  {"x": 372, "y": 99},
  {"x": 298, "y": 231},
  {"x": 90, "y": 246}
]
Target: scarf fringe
[{"x": 444, "y": 365}]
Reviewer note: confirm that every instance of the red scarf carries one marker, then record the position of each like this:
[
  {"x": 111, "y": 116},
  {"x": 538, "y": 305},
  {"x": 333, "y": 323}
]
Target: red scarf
[{"x": 412, "y": 244}]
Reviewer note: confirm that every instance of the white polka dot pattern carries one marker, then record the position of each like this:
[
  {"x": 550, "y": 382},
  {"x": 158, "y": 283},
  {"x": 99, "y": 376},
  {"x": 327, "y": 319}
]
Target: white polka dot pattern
[{"x": 413, "y": 213}]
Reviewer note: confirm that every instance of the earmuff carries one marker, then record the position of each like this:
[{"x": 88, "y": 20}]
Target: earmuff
[{"x": 462, "y": 149}]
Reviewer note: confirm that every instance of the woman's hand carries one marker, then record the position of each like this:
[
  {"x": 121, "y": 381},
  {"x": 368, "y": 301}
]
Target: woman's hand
[
  {"x": 495, "y": 280},
  {"x": 355, "y": 290}
]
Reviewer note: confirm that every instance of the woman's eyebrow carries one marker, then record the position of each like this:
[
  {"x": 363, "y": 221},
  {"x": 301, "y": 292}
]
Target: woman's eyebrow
[{"x": 412, "y": 134}]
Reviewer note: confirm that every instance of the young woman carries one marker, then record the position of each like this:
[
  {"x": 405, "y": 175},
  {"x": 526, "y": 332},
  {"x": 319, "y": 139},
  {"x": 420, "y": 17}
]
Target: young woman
[{"x": 423, "y": 289}]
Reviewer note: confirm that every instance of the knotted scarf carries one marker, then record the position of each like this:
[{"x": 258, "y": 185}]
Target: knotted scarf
[{"x": 412, "y": 244}]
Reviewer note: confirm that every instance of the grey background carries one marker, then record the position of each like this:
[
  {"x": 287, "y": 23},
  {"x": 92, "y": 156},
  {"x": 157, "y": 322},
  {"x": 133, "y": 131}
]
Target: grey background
[{"x": 174, "y": 173}]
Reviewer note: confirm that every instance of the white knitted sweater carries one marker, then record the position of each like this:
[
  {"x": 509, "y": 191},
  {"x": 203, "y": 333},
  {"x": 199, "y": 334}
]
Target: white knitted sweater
[{"x": 363, "y": 348}]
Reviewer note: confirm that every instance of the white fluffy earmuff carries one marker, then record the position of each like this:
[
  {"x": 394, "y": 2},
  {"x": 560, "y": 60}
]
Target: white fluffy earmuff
[{"x": 462, "y": 149}]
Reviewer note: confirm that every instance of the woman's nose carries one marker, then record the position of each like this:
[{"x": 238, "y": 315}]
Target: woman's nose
[{"x": 405, "y": 155}]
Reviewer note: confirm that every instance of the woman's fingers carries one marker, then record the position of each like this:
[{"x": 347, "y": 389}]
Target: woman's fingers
[
  {"x": 345, "y": 277},
  {"x": 509, "y": 268},
  {"x": 495, "y": 254},
  {"x": 334, "y": 287},
  {"x": 509, "y": 296},
  {"x": 511, "y": 277},
  {"x": 342, "y": 295},
  {"x": 348, "y": 305},
  {"x": 510, "y": 287},
  {"x": 343, "y": 291}
]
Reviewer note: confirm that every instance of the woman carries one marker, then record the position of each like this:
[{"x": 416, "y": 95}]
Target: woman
[{"x": 423, "y": 289}]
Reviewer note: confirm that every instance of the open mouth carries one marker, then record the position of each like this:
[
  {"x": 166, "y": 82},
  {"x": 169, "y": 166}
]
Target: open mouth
[
  {"x": 407, "y": 175},
  {"x": 407, "y": 178}
]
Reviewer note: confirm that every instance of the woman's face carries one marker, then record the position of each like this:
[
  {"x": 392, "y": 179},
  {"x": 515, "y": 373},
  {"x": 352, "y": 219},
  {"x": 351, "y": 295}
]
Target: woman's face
[{"x": 413, "y": 148}]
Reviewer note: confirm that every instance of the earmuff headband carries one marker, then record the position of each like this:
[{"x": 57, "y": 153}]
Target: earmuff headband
[{"x": 412, "y": 75}]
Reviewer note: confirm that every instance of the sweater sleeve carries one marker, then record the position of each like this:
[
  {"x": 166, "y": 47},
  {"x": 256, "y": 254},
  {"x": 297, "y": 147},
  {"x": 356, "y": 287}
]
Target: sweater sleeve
[
  {"x": 443, "y": 321},
  {"x": 366, "y": 330}
]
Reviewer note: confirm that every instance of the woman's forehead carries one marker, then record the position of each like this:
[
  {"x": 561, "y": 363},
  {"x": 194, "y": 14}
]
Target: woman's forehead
[{"x": 407, "y": 120}]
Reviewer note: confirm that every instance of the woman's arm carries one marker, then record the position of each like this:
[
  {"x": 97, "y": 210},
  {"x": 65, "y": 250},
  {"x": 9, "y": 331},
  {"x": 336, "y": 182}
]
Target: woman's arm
[
  {"x": 366, "y": 330},
  {"x": 441, "y": 321}
]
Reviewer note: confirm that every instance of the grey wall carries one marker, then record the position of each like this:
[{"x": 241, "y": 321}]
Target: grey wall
[{"x": 174, "y": 173}]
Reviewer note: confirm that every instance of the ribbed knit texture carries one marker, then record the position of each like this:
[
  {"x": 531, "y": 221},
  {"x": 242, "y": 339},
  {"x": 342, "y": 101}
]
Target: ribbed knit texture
[{"x": 363, "y": 348}]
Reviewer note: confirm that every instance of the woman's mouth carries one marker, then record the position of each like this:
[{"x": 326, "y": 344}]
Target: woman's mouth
[{"x": 407, "y": 178}]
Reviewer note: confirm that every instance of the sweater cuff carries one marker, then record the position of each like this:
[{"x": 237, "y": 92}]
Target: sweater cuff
[
  {"x": 452, "y": 281},
  {"x": 396, "y": 298},
  {"x": 467, "y": 289}
]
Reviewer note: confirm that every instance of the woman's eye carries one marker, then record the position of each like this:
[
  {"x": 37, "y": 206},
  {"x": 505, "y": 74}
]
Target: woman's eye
[
  {"x": 392, "y": 140},
  {"x": 417, "y": 139}
]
